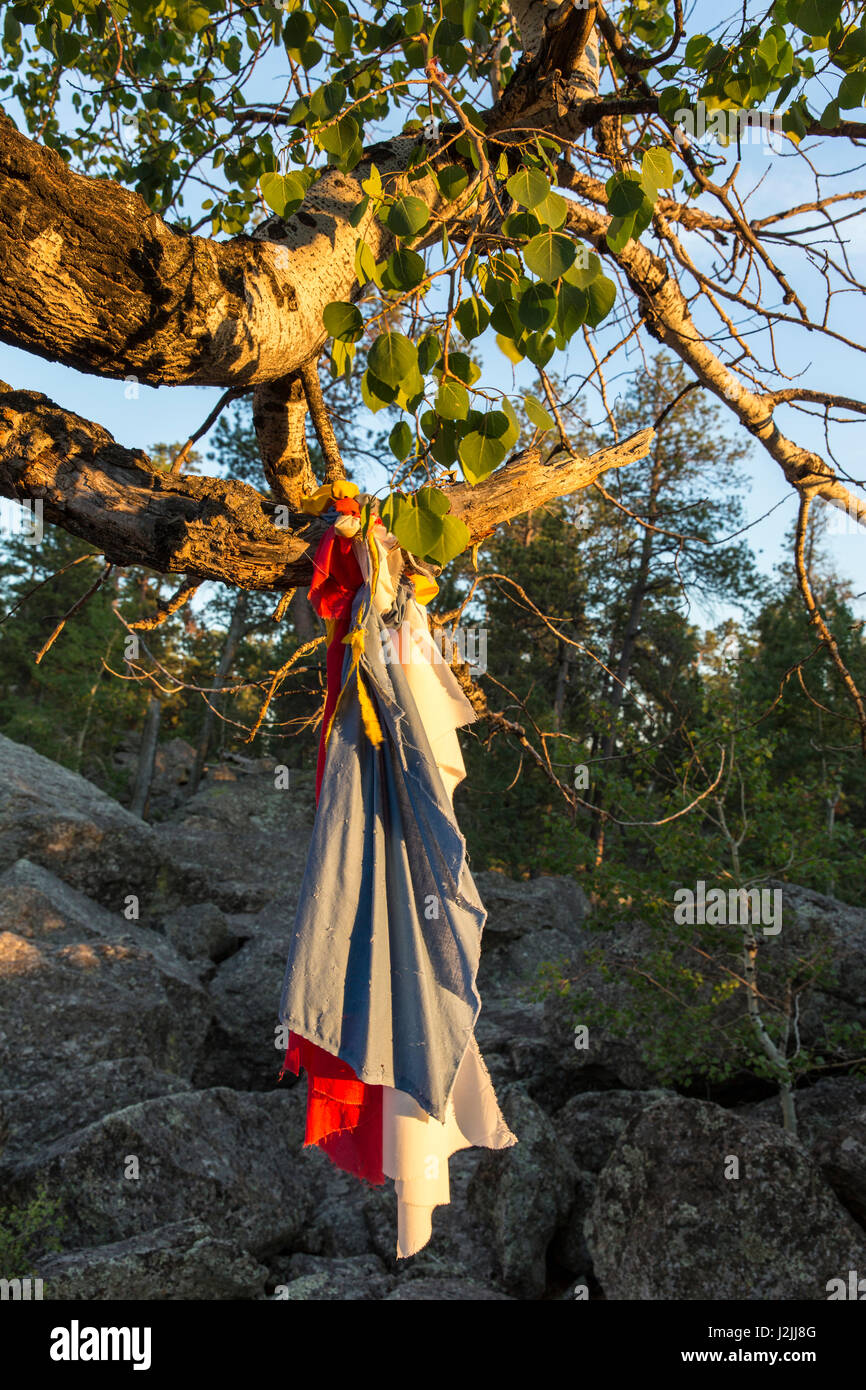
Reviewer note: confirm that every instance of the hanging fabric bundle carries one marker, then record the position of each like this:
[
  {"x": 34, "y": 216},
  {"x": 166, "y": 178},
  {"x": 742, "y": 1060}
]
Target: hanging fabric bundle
[{"x": 379, "y": 992}]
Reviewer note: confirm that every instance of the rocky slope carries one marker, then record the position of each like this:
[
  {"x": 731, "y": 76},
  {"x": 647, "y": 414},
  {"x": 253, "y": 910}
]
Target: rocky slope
[{"x": 140, "y": 970}]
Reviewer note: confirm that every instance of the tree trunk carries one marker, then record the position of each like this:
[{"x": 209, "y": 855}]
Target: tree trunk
[
  {"x": 146, "y": 757},
  {"x": 230, "y": 646}
]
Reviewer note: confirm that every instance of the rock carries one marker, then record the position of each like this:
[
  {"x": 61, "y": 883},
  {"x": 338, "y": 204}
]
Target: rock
[
  {"x": 184, "y": 1260},
  {"x": 197, "y": 1155},
  {"x": 821, "y": 1107},
  {"x": 201, "y": 931},
  {"x": 588, "y": 1127},
  {"x": 58, "y": 819},
  {"x": 79, "y": 985},
  {"x": 830, "y": 1117},
  {"x": 590, "y": 1123},
  {"x": 606, "y": 1058},
  {"x": 443, "y": 1291},
  {"x": 246, "y": 838},
  {"x": 524, "y": 1194},
  {"x": 841, "y": 1156},
  {"x": 70, "y": 1098},
  {"x": 833, "y": 933},
  {"x": 667, "y": 1223},
  {"x": 245, "y": 993},
  {"x": 528, "y": 923},
  {"x": 358, "y": 1278}
]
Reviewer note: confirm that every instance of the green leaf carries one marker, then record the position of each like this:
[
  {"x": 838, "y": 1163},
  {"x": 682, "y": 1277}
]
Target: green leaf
[
  {"x": 509, "y": 348},
  {"x": 520, "y": 226},
  {"x": 624, "y": 194},
  {"x": 407, "y": 216},
  {"x": 429, "y": 352},
  {"x": 506, "y": 320},
  {"x": 444, "y": 447},
  {"x": 328, "y": 100},
  {"x": 452, "y": 181},
  {"x": 580, "y": 274},
  {"x": 452, "y": 400},
  {"x": 374, "y": 393},
  {"x": 537, "y": 414},
  {"x": 620, "y": 232},
  {"x": 495, "y": 424},
  {"x": 472, "y": 317},
  {"x": 537, "y": 306},
  {"x": 453, "y": 540},
  {"x": 461, "y": 364},
  {"x": 416, "y": 528},
  {"x": 392, "y": 358},
  {"x": 365, "y": 265},
  {"x": 423, "y": 525},
  {"x": 339, "y": 138},
  {"x": 283, "y": 193},
  {"x": 343, "y": 321},
  {"x": 296, "y": 29},
  {"x": 552, "y": 211},
  {"x": 572, "y": 304},
  {"x": 549, "y": 255},
  {"x": 602, "y": 295},
  {"x": 528, "y": 187},
  {"x": 433, "y": 499},
  {"x": 479, "y": 454},
  {"x": 539, "y": 348},
  {"x": 817, "y": 17},
  {"x": 470, "y": 12},
  {"x": 401, "y": 440},
  {"x": 852, "y": 90},
  {"x": 405, "y": 270},
  {"x": 656, "y": 172},
  {"x": 343, "y": 31},
  {"x": 512, "y": 434},
  {"x": 413, "y": 20}
]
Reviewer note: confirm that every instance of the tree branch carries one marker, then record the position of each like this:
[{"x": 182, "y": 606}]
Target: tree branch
[{"x": 218, "y": 528}]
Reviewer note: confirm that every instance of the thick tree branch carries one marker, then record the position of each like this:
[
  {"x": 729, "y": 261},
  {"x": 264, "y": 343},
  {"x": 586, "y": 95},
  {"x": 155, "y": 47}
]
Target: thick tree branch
[
  {"x": 217, "y": 528},
  {"x": 90, "y": 277}
]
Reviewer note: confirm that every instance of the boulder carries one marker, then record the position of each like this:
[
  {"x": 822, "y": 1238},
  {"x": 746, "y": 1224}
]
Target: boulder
[
  {"x": 201, "y": 931},
  {"x": 588, "y": 1126},
  {"x": 243, "y": 1049},
  {"x": 309, "y": 1278},
  {"x": 528, "y": 923},
  {"x": 70, "y": 1098},
  {"x": 523, "y": 1195},
  {"x": 80, "y": 985},
  {"x": 184, "y": 1260},
  {"x": 244, "y": 835},
  {"x": 841, "y": 1156},
  {"x": 444, "y": 1290},
  {"x": 227, "y": 1158},
  {"x": 58, "y": 819},
  {"x": 671, "y": 1219}
]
